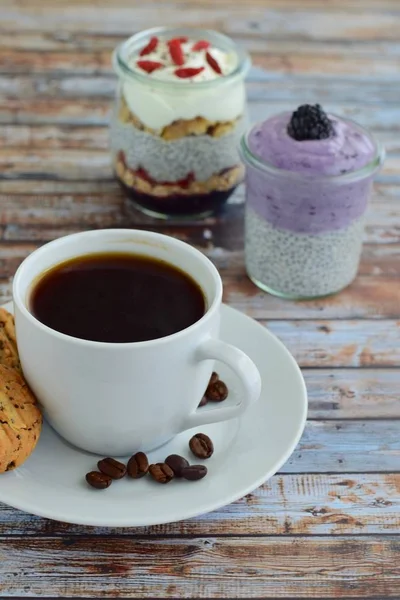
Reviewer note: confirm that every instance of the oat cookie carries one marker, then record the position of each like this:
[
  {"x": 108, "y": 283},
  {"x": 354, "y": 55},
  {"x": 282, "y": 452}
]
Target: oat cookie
[
  {"x": 183, "y": 127},
  {"x": 180, "y": 128},
  {"x": 20, "y": 419},
  {"x": 8, "y": 343}
]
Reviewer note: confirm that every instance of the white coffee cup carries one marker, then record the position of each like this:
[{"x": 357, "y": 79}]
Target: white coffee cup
[{"x": 115, "y": 399}]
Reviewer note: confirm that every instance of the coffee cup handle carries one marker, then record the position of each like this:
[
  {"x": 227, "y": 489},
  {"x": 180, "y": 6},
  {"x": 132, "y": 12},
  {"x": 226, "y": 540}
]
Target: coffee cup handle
[{"x": 243, "y": 367}]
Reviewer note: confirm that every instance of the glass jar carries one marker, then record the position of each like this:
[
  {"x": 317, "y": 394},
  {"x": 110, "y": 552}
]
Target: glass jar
[
  {"x": 174, "y": 142},
  {"x": 303, "y": 233}
]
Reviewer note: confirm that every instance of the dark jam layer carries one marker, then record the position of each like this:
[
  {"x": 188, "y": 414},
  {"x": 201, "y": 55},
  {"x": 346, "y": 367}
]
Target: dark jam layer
[{"x": 179, "y": 205}]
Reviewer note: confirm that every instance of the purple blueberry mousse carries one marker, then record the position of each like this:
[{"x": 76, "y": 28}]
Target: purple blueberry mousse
[{"x": 308, "y": 178}]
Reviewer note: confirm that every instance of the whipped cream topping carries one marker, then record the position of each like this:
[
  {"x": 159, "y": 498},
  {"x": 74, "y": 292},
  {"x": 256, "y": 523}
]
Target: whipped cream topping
[
  {"x": 157, "y": 107},
  {"x": 192, "y": 59}
]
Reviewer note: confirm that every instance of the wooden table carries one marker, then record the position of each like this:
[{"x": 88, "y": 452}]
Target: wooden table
[{"x": 327, "y": 525}]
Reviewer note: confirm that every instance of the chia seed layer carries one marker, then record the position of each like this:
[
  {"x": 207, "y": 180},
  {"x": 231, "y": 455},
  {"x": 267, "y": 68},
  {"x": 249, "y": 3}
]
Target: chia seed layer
[
  {"x": 301, "y": 265},
  {"x": 172, "y": 160}
]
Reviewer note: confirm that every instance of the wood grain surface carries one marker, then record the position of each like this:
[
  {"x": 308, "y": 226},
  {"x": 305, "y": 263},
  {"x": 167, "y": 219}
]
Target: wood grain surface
[{"x": 328, "y": 524}]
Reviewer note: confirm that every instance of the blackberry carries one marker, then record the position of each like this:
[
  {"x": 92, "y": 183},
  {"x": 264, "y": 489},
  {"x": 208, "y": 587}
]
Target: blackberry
[{"x": 310, "y": 123}]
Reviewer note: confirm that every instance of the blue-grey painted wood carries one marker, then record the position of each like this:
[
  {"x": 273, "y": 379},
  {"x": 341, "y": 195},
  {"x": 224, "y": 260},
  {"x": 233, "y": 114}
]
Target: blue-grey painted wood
[
  {"x": 342, "y": 343},
  {"x": 353, "y": 393},
  {"x": 347, "y": 447},
  {"x": 311, "y": 504}
]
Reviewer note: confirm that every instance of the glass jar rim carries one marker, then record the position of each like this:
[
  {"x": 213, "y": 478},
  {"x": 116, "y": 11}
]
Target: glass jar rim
[
  {"x": 123, "y": 52},
  {"x": 366, "y": 171}
]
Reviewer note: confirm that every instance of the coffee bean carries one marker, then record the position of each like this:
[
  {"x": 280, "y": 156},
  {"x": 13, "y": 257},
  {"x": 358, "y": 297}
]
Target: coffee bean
[
  {"x": 203, "y": 401},
  {"x": 100, "y": 481},
  {"x": 201, "y": 445},
  {"x": 161, "y": 472},
  {"x": 214, "y": 378},
  {"x": 111, "y": 467},
  {"x": 194, "y": 472},
  {"x": 217, "y": 392},
  {"x": 138, "y": 465},
  {"x": 177, "y": 463}
]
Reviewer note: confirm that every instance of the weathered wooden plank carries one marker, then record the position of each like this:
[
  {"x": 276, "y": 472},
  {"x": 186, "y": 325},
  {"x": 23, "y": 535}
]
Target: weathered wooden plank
[
  {"x": 54, "y": 110},
  {"x": 347, "y": 447},
  {"x": 261, "y": 85},
  {"x": 78, "y": 62},
  {"x": 337, "y": 394},
  {"x": 18, "y": 197},
  {"x": 262, "y": 81},
  {"x": 367, "y": 297},
  {"x": 353, "y": 393},
  {"x": 254, "y": 43},
  {"x": 349, "y": 304},
  {"x": 317, "y": 24},
  {"x": 371, "y": 296},
  {"x": 201, "y": 567},
  {"x": 98, "y": 62},
  {"x": 371, "y": 116},
  {"x": 95, "y": 111},
  {"x": 376, "y": 260},
  {"x": 374, "y": 294},
  {"x": 96, "y": 164},
  {"x": 128, "y": 217},
  {"x": 238, "y": 20},
  {"x": 38, "y": 210},
  {"x": 46, "y": 188},
  {"x": 285, "y": 505},
  {"x": 81, "y": 137},
  {"x": 57, "y": 164},
  {"x": 346, "y": 343},
  {"x": 53, "y": 136},
  {"x": 327, "y": 343},
  {"x": 43, "y": 216},
  {"x": 252, "y": 40},
  {"x": 5, "y": 291}
]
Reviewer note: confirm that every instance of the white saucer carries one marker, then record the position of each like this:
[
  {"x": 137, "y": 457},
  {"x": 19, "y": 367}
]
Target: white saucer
[{"x": 248, "y": 451}]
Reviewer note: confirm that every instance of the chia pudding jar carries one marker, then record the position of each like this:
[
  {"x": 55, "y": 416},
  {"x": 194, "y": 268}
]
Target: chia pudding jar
[
  {"x": 305, "y": 205},
  {"x": 179, "y": 114}
]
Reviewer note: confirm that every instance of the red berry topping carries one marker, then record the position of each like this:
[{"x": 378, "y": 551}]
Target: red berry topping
[
  {"x": 143, "y": 174},
  {"x": 149, "y": 65},
  {"x": 182, "y": 40},
  {"x": 201, "y": 45},
  {"x": 176, "y": 52},
  {"x": 151, "y": 46},
  {"x": 213, "y": 63},
  {"x": 185, "y": 183},
  {"x": 187, "y": 72}
]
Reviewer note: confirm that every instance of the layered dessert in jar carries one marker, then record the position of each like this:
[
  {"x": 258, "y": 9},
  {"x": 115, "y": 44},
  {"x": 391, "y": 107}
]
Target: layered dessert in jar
[
  {"x": 308, "y": 176},
  {"x": 179, "y": 115}
]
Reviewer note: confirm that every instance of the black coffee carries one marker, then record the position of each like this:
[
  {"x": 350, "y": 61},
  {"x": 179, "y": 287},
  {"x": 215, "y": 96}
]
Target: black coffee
[{"x": 117, "y": 298}]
